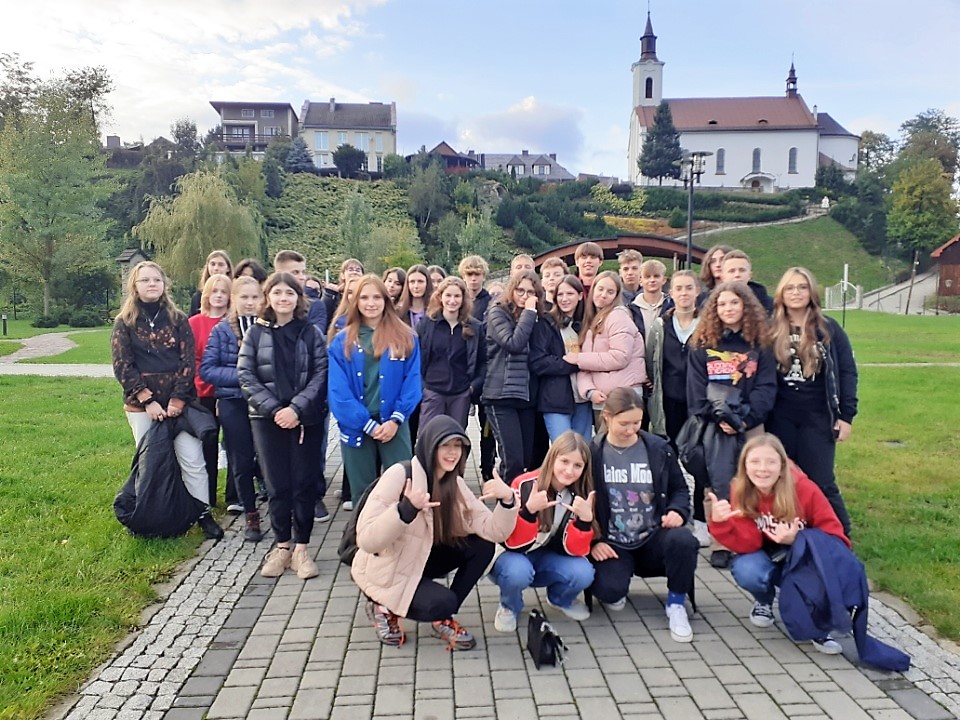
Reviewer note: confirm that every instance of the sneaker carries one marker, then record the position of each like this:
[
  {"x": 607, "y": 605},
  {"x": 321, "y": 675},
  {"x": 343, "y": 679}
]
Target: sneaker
[
  {"x": 386, "y": 624},
  {"x": 347, "y": 505},
  {"x": 320, "y": 513},
  {"x": 457, "y": 636},
  {"x": 505, "y": 620},
  {"x": 617, "y": 605},
  {"x": 720, "y": 559},
  {"x": 762, "y": 615},
  {"x": 277, "y": 561},
  {"x": 828, "y": 646},
  {"x": 680, "y": 629},
  {"x": 235, "y": 508},
  {"x": 337, "y": 493},
  {"x": 252, "y": 531},
  {"x": 577, "y": 611},
  {"x": 209, "y": 526},
  {"x": 701, "y": 533},
  {"x": 303, "y": 564}
]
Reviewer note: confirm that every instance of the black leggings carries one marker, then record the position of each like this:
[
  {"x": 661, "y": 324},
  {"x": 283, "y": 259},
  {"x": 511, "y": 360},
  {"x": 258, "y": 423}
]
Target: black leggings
[
  {"x": 670, "y": 551},
  {"x": 433, "y": 601}
]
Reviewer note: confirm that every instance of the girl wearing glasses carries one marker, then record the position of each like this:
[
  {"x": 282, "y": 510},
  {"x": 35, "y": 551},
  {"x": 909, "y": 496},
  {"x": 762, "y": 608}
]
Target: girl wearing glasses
[{"x": 816, "y": 383}]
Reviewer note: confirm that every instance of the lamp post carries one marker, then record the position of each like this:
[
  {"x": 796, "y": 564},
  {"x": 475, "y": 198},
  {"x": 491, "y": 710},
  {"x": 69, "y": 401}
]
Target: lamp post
[{"x": 693, "y": 166}]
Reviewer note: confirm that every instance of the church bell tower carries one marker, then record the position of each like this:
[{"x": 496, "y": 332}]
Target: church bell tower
[{"x": 647, "y": 71}]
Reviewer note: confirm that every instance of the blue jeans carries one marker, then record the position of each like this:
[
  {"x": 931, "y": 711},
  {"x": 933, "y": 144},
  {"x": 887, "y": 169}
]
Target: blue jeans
[
  {"x": 581, "y": 420},
  {"x": 564, "y": 577},
  {"x": 757, "y": 574}
]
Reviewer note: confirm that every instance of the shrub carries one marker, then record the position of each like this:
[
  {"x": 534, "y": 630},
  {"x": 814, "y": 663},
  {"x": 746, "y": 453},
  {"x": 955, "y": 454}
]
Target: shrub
[
  {"x": 46, "y": 321},
  {"x": 946, "y": 304},
  {"x": 678, "y": 218},
  {"x": 85, "y": 319}
]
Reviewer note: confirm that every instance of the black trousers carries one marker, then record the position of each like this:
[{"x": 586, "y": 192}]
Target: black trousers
[
  {"x": 670, "y": 552},
  {"x": 809, "y": 442},
  {"x": 433, "y": 601},
  {"x": 488, "y": 443},
  {"x": 211, "y": 456},
  {"x": 241, "y": 457},
  {"x": 514, "y": 429},
  {"x": 289, "y": 461}
]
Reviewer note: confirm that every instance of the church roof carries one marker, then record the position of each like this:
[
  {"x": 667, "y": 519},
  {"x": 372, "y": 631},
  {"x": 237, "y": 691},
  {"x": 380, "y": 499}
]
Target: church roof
[
  {"x": 746, "y": 113},
  {"x": 829, "y": 126}
]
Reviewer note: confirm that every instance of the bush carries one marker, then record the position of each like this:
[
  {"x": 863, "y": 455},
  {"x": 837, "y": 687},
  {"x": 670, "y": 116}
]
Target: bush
[
  {"x": 46, "y": 321},
  {"x": 678, "y": 218},
  {"x": 946, "y": 304},
  {"x": 85, "y": 319}
]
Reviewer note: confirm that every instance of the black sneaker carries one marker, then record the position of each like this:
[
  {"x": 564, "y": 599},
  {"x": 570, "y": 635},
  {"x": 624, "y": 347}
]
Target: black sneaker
[
  {"x": 209, "y": 526},
  {"x": 320, "y": 513},
  {"x": 252, "y": 531}
]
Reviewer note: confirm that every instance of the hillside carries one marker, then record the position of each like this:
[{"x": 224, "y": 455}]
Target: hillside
[{"x": 821, "y": 245}]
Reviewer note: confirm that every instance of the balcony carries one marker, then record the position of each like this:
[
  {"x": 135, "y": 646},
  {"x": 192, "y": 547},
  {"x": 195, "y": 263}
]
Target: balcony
[{"x": 239, "y": 141}]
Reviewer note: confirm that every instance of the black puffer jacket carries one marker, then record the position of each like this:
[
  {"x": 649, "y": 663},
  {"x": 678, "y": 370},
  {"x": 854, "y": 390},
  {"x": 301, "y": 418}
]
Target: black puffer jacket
[
  {"x": 255, "y": 368},
  {"x": 555, "y": 391},
  {"x": 508, "y": 349},
  {"x": 476, "y": 349}
]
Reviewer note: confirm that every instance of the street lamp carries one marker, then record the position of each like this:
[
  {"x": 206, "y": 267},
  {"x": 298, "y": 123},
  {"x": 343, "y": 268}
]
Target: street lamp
[{"x": 693, "y": 165}]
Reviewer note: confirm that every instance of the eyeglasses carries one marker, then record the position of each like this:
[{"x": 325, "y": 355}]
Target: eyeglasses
[
  {"x": 802, "y": 287},
  {"x": 523, "y": 293}
]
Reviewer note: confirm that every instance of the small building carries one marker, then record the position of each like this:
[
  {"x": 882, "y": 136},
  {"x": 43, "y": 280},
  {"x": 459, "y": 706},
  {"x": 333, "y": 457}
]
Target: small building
[
  {"x": 254, "y": 125},
  {"x": 128, "y": 260},
  {"x": 370, "y": 127},
  {"x": 543, "y": 166},
  {"x": 453, "y": 162},
  {"x": 948, "y": 265}
]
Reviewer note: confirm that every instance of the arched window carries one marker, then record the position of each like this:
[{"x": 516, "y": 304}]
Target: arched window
[
  {"x": 721, "y": 161},
  {"x": 792, "y": 161},
  {"x": 649, "y": 88},
  {"x": 756, "y": 160}
]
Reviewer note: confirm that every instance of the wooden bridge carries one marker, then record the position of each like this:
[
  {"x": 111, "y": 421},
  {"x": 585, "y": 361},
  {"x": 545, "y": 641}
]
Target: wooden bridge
[{"x": 659, "y": 246}]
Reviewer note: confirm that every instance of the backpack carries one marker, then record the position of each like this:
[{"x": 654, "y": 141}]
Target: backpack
[{"x": 347, "y": 549}]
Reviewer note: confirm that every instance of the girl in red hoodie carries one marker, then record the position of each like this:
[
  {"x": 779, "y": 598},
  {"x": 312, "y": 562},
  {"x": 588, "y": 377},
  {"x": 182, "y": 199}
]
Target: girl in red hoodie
[{"x": 771, "y": 500}]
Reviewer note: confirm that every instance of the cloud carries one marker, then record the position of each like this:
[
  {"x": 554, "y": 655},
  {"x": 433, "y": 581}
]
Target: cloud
[
  {"x": 527, "y": 125},
  {"x": 421, "y": 129}
]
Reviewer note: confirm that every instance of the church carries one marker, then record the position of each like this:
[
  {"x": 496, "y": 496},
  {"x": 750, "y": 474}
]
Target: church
[{"x": 762, "y": 144}]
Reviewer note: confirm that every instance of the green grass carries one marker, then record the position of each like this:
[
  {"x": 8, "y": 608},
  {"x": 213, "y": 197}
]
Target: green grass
[
  {"x": 821, "y": 245},
  {"x": 8, "y": 347},
  {"x": 72, "y": 581},
  {"x": 916, "y": 338},
  {"x": 92, "y": 348}
]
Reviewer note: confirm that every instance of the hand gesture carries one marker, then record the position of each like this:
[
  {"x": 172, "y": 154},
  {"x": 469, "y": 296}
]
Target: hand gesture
[
  {"x": 159, "y": 414},
  {"x": 602, "y": 551},
  {"x": 721, "y": 510},
  {"x": 287, "y": 418},
  {"x": 572, "y": 357},
  {"x": 498, "y": 489},
  {"x": 418, "y": 498},
  {"x": 672, "y": 519},
  {"x": 384, "y": 432},
  {"x": 173, "y": 410},
  {"x": 727, "y": 428},
  {"x": 598, "y": 397},
  {"x": 583, "y": 507},
  {"x": 539, "y": 500},
  {"x": 784, "y": 533},
  {"x": 531, "y": 302}
]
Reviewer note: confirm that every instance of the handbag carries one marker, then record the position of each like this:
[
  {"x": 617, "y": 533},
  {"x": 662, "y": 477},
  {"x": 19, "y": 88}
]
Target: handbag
[
  {"x": 545, "y": 646},
  {"x": 690, "y": 448}
]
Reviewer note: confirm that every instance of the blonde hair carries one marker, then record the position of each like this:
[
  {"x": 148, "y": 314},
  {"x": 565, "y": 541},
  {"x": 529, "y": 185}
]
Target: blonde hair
[
  {"x": 209, "y": 286},
  {"x": 652, "y": 267},
  {"x": 391, "y": 332},
  {"x": 473, "y": 263},
  {"x": 630, "y": 255},
  {"x": 130, "y": 310},
  {"x": 239, "y": 284},
  {"x": 744, "y": 494},
  {"x": 345, "y": 297},
  {"x": 814, "y": 327},
  {"x": 553, "y": 262}
]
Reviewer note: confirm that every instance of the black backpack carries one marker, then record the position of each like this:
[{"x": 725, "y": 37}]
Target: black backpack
[{"x": 347, "y": 549}]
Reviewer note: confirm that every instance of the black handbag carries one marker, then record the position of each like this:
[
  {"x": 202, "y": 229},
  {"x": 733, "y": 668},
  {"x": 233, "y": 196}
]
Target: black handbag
[
  {"x": 690, "y": 448},
  {"x": 545, "y": 646}
]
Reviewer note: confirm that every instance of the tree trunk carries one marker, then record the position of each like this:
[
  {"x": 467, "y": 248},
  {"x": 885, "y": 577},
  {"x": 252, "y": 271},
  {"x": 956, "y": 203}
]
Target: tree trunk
[{"x": 46, "y": 298}]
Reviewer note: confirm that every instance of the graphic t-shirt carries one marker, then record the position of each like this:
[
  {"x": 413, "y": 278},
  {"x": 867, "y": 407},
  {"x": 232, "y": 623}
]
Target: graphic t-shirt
[
  {"x": 795, "y": 392},
  {"x": 629, "y": 481},
  {"x": 731, "y": 366}
]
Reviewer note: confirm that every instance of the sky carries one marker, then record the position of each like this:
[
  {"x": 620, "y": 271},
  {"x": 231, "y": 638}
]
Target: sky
[{"x": 496, "y": 76}]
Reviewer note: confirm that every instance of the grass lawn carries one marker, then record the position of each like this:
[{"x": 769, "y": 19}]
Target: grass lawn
[
  {"x": 21, "y": 327},
  {"x": 72, "y": 581},
  {"x": 916, "y": 338},
  {"x": 92, "y": 348},
  {"x": 8, "y": 347}
]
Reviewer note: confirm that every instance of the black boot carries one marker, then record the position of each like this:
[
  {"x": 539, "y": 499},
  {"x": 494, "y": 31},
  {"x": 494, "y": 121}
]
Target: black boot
[
  {"x": 252, "y": 532},
  {"x": 209, "y": 526}
]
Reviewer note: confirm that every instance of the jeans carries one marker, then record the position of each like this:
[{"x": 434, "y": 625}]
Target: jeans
[
  {"x": 564, "y": 577},
  {"x": 757, "y": 574},
  {"x": 581, "y": 421}
]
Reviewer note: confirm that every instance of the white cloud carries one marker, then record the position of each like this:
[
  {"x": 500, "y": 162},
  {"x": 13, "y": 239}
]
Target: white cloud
[{"x": 528, "y": 125}]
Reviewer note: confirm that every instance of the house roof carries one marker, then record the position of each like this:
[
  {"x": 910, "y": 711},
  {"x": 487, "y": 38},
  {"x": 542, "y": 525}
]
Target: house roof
[
  {"x": 940, "y": 250},
  {"x": 747, "y": 113},
  {"x": 333, "y": 115},
  {"x": 829, "y": 126},
  {"x": 220, "y": 104},
  {"x": 500, "y": 161}
]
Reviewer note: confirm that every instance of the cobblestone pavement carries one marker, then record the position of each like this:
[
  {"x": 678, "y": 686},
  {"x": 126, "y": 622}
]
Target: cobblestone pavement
[
  {"x": 229, "y": 644},
  {"x": 42, "y": 345}
]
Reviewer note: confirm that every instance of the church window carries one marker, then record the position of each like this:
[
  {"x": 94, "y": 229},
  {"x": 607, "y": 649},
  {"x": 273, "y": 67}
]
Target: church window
[
  {"x": 721, "y": 161},
  {"x": 756, "y": 160},
  {"x": 792, "y": 161},
  {"x": 649, "y": 88}
]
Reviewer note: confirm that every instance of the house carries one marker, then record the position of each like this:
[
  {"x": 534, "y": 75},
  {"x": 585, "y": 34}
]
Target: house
[
  {"x": 948, "y": 267},
  {"x": 370, "y": 127},
  {"x": 453, "y": 162},
  {"x": 542, "y": 167},
  {"x": 254, "y": 125},
  {"x": 764, "y": 144}
]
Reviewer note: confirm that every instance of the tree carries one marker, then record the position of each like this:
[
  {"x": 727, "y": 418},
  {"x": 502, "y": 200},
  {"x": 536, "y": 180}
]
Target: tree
[
  {"x": 932, "y": 134},
  {"x": 446, "y": 252},
  {"x": 877, "y": 151},
  {"x": 396, "y": 244},
  {"x": 395, "y": 167},
  {"x": 830, "y": 178},
  {"x": 18, "y": 88},
  {"x": 186, "y": 138},
  {"x": 428, "y": 192},
  {"x": 273, "y": 175},
  {"x": 51, "y": 181},
  {"x": 356, "y": 222},
  {"x": 661, "y": 153},
  {"x": 349, "y": 160},
  {"x": 922, "y": 213},
  {"x": 480, "y": 235},
  {"x": 206, "y": 215},
  {"x": 299, "y": 159},
  {"x": 89, "y": 87}
]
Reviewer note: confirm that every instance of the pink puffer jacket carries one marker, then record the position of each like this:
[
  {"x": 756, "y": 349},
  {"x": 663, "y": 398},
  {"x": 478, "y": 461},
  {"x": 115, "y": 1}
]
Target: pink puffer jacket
[{"x": 614, "y": 358}]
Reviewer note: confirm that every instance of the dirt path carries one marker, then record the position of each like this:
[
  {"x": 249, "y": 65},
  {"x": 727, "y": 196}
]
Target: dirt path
[{"x": 44, "y": 345}]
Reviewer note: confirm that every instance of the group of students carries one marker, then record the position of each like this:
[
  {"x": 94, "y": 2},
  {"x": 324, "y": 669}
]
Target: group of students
[{"x": 400, "y": 360}]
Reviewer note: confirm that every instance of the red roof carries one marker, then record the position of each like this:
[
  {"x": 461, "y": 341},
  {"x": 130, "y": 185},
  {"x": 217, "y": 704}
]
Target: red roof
[
  {"x": 940, "y": 250},
  {"x": 748, "y": 113}
]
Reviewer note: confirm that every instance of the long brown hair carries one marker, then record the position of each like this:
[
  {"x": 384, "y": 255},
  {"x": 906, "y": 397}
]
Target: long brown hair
[
  {"x": 205, "y": 274},
  {"x": 435, "y": 308},
  {"x": 281, "y": 278},
  {"x": 391, "y": 332},
  {"x": 706, "y": 276},
  {"x": 814, "y": 326},
  {"x": 569, "y": 441},
  {"x": 130, "y": 309},
  {"x": 406, "y": 300},
  {"x": 506, "y": 298},
  {"x": 754, "y": 326},
  {"x": 744, "y": 494},
  {"x": 342, "y": 307},
  {"x": 599, "y": 317},
  {"x": 575, "y": 283}
]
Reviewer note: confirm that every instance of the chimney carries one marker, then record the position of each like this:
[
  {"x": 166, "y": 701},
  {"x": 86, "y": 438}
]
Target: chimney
[
  {"x": 525, "y": 152},
  {"x": 553, "y": 156},
  {"x": 113, "y": 142},
  {"x": 815, "y": 113},
  {"x": 333, "y": 104}
]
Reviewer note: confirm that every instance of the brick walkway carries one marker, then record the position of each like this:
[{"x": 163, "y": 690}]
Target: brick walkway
[{"x": 228, "y": 644}]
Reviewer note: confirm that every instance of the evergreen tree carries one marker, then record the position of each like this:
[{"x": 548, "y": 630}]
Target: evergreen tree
[
  {"x": 349, "y": 160},
  {"x": 298, "y": 159},
  {"x": 661, "y": 153}
]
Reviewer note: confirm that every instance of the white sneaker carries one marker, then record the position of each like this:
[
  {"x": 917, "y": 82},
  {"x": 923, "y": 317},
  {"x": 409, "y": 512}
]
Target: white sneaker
[
  {"x": 617, "y": 605},
  {"x": 762, "y": 615},
  {"x": 347, "y": 505},
  {"x": 828, "y": 646},
  {"x": 701, "y": 533},
  {"x": 680, "y": 629},
  {"x": 577, "y": 611},
  {"x": 505, "y": 620}
]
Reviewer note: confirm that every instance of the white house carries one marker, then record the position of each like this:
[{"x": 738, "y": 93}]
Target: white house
[{"x": 765, "y": 144}]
